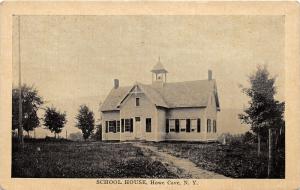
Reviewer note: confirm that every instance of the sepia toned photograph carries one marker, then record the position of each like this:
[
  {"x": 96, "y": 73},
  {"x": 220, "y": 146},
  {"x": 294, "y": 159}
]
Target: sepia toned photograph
[{"x": 148, "y": 96}]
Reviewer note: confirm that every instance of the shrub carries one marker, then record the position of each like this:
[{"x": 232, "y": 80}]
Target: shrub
[
  {"x": 231, "y": 139},
  {"x": 76, "y": 136}
]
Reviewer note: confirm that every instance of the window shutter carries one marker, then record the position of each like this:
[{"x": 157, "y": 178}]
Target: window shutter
[
  {"x": 215, "y": 126},
  {"x": 188, "y": 125},
  {"x": 177, "y": 125},
  {"x": 207, "y": 126},
  {"x": 198, "y": 125},
  {"x": 131, "y": 125},
  {"x": 106, "y": 127},
  {"x": 122, "y": 125},
  {"x": 167, "y": 126},
  {"x": 118, "y": 126}
]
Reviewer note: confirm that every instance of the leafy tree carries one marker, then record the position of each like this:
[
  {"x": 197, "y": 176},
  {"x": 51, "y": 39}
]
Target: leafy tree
[
  {"x": 85, "y": 121},
  {"x": 31, "y": 103},
  {"x": 264, "y": 111},
  {"x": 98, "y": 133},
  {"x": 54, "y": 120}
]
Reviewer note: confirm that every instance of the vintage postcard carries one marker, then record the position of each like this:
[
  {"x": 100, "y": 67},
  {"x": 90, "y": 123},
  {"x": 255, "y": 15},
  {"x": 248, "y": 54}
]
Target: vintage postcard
[{"x": 141, "y": 95}]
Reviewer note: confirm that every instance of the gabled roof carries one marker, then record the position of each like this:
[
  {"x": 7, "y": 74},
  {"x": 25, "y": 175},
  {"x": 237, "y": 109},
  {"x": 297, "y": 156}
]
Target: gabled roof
[
  {"x": 170, "y": 95},
  {"x": 186, "y": 94},
  {"x": 114, "y": 97},
  {"x": 150, "y": 93},
  {"x": 153, "y": 95}
]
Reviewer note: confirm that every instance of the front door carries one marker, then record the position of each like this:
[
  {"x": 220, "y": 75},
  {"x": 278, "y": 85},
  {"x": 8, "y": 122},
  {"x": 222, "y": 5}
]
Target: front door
[{"x": 138, "y": 128}]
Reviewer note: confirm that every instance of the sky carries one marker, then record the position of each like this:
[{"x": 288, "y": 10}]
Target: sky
[{"x": 72, "y": 60}]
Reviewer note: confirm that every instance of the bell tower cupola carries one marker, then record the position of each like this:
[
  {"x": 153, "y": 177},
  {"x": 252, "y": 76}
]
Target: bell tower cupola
[{"x": 159, "y": 73}]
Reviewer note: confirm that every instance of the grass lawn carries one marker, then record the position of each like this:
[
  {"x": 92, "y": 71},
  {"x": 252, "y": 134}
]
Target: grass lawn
[
  {"x": 123, "y": 160},
  {"x": 237, "y": 161},
  {"x": 84, "y": 160}
]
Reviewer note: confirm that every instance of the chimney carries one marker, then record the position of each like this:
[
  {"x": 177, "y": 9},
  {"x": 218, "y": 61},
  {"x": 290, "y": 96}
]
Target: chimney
[
  {"x": 209, "y": 75},
  {"x": 116, "y": 83}
]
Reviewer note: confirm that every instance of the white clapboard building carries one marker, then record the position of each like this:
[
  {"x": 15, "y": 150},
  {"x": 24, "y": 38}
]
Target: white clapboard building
[{"x": 162, "y": 111}]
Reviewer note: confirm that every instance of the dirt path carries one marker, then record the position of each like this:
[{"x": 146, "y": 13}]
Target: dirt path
[{"x": 184, "y": 168}]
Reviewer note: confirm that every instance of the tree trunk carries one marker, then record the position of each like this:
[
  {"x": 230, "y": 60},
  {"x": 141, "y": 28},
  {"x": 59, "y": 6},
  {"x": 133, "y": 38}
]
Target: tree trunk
[
  {"x": 28, "y": 134},
  {"x": 55, "y": 135},
  {"x": 277, "y": 133},
  {"x": 258, "y": 145},
  {"x": 271, "y": 155}
]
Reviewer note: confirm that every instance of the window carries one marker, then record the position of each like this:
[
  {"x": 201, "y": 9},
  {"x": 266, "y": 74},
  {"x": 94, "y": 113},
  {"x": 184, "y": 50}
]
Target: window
[
  {"x": 214, "y": 126},
  {"x": 198, "y": 125},
  {"x": 122, "y": 125},
  {"x": 137, "y": 119},
  {"x": 172, "y": 125},
  {"x": 167, "y": 126},
  {"x": 188, "y": 125},
  {"x": 137, "y": 101},
  {"x": 112, "y": 126},
  {"x": 148, "y": 125},
  {"x": 177, "y": 125},
  {"x": 208, "y": 125},
  {"x": 193, "y": 125},
  {"x": 128, "y": 125},
  {"x": 182, "y": 125}
]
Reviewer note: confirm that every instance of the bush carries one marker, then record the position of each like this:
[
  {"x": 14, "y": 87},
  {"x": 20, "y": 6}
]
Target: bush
[
  {"x": 231, "y": 139},
  {"x": 76, "y": 136},
  {"x": 238, "y": 139}
]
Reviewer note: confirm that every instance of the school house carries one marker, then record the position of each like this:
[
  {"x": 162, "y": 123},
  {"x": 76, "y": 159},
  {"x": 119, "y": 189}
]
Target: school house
[{"x": 162, "y": 111}]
